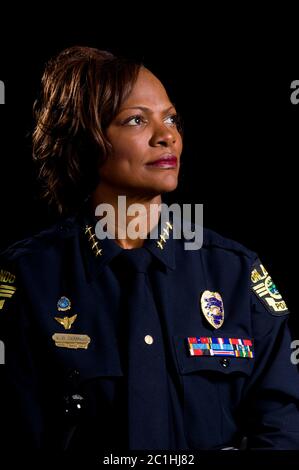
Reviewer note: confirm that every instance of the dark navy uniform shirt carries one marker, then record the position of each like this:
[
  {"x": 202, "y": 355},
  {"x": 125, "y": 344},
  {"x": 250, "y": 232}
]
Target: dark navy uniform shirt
[{"x": 64, "y": 323}]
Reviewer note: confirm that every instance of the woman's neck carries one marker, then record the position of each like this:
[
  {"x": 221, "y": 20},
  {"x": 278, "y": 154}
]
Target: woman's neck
[{"x": 129, "y": 224}]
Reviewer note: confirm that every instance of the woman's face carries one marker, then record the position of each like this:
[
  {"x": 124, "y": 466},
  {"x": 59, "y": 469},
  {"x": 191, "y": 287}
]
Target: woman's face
[{"x": 146, "y": 144}]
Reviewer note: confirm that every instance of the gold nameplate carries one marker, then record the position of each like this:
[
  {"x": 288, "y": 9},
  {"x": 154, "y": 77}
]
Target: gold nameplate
[{"x": 71, "y": 341}]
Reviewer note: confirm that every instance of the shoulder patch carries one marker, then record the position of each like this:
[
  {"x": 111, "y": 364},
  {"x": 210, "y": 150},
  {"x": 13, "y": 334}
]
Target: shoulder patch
[
  {"x": 7, "y": 286},
  {"x": 266, "y": 291}
]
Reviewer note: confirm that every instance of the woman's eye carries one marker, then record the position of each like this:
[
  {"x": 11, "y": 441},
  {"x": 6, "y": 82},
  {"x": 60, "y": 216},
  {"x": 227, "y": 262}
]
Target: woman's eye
[
  {"x": 138, "y": 120},
  {"x": 134, "y": 121},
  {"x": 172, "y": 120}
]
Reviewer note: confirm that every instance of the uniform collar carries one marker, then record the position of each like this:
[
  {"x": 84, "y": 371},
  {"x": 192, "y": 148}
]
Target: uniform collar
[
  {"x": 161, "y": 244},
  {"x": 99, "y": 253}
]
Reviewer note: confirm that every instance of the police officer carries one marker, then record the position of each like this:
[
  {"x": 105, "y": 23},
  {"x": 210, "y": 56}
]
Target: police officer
[{"x": 134, "y": 343}]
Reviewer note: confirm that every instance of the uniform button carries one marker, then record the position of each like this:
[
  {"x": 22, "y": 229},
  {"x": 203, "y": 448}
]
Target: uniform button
[
  {"x": 149, "y": 339},
  {"x": 73, "y": 405},
  {"x": 225, "y": 362},
  {"x": 73, "y": 377},
  {"x": 73, "y": 374}
]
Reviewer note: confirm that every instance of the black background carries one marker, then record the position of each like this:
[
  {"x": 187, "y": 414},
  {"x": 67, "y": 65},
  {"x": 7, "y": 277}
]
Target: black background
[
  {"x": 229, "y": 74},
  {"x": 228, "y": 68}
]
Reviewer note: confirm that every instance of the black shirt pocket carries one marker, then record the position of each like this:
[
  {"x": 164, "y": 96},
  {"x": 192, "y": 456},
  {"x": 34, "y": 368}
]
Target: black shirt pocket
[
  {"x": 89, "y": 398},
  {"x": 212, "y": 391}
]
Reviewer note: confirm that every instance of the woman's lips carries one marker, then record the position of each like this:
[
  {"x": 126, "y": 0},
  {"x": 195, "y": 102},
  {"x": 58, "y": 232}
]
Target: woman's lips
[{"x": 165, "y": 162}]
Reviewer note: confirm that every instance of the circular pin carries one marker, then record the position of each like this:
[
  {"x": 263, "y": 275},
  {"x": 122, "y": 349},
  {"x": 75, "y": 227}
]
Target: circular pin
[
  {"x": 149, "y": 339},
  {"x": 64, "y": 304}
]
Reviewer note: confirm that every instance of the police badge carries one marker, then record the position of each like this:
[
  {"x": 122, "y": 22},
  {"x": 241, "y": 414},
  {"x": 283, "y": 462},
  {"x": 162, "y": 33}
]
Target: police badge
[{"x": 212, "y": 308}]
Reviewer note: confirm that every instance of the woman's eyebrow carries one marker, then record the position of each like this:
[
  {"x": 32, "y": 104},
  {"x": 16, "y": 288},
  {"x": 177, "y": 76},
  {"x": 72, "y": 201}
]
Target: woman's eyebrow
[{"x": 147, "y": 110}]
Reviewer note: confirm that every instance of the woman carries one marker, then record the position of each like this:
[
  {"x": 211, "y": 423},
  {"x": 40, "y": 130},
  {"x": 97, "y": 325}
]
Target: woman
[{"x": 131, "y": 342}]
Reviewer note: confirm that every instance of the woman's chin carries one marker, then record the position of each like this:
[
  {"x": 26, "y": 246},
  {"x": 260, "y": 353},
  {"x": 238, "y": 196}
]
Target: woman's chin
[
  {"x": 153, "y": 188},
  {"x": 156, "y": 190},
  {"x": 169, "y": 184}
]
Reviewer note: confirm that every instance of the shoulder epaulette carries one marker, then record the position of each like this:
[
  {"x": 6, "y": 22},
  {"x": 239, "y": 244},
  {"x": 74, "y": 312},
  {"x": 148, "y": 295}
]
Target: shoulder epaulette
[{"x": 211, "y": 238}]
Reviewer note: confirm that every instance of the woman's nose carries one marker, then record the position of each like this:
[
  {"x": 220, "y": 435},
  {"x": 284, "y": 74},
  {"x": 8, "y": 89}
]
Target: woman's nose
[{"x": 163, "y": 135}]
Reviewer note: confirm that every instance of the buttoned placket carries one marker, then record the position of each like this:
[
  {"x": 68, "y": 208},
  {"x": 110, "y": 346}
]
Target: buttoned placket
[{"x": 147, "y": 376}]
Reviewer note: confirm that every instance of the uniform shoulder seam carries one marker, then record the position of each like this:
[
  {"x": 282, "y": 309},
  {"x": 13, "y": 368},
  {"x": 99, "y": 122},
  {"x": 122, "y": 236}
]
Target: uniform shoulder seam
[
  {"x": 212, "y": 238},
  {"x": 38, "y": 241}
]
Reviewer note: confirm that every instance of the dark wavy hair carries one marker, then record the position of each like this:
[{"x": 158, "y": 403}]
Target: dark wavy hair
[{"x": 81, "y": 92}]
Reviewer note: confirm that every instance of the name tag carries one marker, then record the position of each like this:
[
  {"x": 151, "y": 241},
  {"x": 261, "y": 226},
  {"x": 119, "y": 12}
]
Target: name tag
[{"x": 71, "y": 341}]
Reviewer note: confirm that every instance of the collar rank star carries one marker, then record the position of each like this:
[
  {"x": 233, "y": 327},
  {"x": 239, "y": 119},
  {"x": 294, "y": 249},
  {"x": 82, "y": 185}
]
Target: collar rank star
[
  {"x": 91, "y": 238},
  {"x": 163, "y": 237},
  {"x": 212, "y": 308}
]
